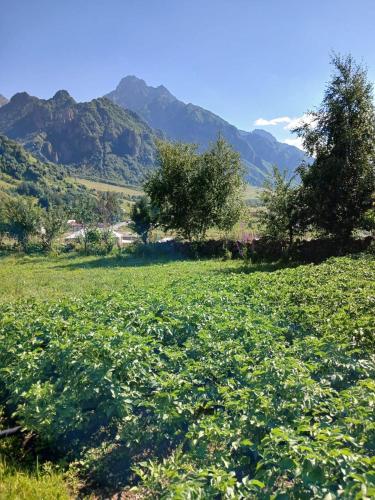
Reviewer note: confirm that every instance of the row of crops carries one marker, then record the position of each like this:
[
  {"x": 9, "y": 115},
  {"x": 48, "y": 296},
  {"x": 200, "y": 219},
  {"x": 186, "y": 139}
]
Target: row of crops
[{"x": 235, "y": 385}]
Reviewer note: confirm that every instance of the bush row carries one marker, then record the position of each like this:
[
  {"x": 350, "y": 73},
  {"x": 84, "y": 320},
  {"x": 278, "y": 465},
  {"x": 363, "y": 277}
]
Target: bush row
[{"x": 258, "y": 250}]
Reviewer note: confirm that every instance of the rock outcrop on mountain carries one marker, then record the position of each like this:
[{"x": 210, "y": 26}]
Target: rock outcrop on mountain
[{"x": 95, "y": 139}]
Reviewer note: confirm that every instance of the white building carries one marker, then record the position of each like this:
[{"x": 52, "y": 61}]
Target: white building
[{"x": 121, "y": 239}]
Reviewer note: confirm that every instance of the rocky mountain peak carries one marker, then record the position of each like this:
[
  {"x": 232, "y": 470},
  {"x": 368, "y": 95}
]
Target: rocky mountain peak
[
  {"x": 190, "y": 123},
  {"x": 135, "y": 91},
  {"x": 21, "y": 98},
  {"x": 131, "y": 80},
  {"x": 63, "y": 97}
]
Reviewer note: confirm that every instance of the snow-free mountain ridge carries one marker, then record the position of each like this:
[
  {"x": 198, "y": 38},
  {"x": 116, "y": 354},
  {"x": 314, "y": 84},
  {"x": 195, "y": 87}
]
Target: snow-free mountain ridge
[{"x": 190, "y": 123}]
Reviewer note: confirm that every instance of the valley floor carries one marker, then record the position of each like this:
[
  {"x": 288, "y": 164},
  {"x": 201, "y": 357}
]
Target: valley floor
[{"x": 187, "y": 379}]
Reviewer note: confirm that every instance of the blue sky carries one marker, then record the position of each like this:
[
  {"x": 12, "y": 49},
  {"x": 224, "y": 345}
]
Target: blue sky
[{"x": 250, "y": 61}]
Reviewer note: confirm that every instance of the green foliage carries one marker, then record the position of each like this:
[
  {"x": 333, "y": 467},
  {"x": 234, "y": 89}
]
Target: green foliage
[
  {"x": 14, "y": 161},
  {"x": 95, "y": 139},
  {"x": 53, "y": 225},
  {"x": 339, "y": 184},
  {"x": 57, "y": 199},
  {"x": 86, "y": 213},
  {"x": 89, "y": 211},
  {"x": 107, "y": 241},
  {"x": 367, "y": 221},
  {"x": 23, "y": 217},
  {"x": 281, "y": 219},
  {"x": 109, "y": 207},
  {"x": 3, "y": 220},
  {"x": 21, "y": 484},
  {"x": 143, "y": 218},
  {"x": 194, "y": 192},
  {"x": 98, "y": 242},
  {"x": 29, "y": 177},
  {"x": 204, "y": 384}
]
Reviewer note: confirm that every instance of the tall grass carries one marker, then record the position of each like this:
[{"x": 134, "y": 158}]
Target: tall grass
[{"x": 39, "y": 483}]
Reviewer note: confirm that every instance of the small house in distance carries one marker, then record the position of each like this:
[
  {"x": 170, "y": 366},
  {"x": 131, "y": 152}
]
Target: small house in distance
[{"x": 78, "y": 232}]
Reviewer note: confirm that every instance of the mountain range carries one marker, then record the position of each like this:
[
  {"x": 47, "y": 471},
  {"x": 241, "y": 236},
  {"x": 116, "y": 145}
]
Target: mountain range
[
  {"x": 112, "y": 138},
  {"x": 190, "y": 123},
  {"x": 95, "y": 139}
]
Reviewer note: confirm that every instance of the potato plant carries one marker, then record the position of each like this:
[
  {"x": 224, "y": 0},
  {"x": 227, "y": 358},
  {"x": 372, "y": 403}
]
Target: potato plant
[{"x": 238, "y": 385}]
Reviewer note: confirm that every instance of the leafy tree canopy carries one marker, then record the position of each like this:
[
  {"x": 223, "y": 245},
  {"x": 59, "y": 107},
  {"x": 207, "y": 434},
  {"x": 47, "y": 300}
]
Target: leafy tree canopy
[
  {"x": 109, "y": 207},
  {"x": 282, "y": 217},
  {"x": 24, "y": 219},
  {"x": 341, "y": 137},
  {"x": 54, "y": 223},
  {"x": 194, "y": 192},
  {"x": 143, "y": 218}
]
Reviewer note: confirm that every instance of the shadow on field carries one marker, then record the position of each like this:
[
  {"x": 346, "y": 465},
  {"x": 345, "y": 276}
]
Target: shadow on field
[
  {"x": 22, "y": 258},
  {"x": 121, "y": 261},
  {"x": 124, "y": 261},
  {"x": 260, "y": 267}
]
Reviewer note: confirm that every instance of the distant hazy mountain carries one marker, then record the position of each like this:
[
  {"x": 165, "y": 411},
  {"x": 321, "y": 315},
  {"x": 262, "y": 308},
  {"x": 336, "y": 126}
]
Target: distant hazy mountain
[
  {"x": 96, "y": 139},
  {"x": 3, "y": 100},
  {"x": 189, "y": 123}
]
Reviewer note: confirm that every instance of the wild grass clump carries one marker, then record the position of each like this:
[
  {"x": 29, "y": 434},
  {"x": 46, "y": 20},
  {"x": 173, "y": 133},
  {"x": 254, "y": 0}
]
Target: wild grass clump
[{"x": 38, "y": 483}]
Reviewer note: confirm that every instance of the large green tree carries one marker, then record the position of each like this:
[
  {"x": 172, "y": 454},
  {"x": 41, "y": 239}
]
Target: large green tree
[
  {"x": 341, "y": 138},
  {"x": 86, "y": 213},
  {"x": 24, "y": 219},
  {"x": 193, "y": 192},
  {"x": 282, "y": 215},
  {"x": 54, "y": 223},
  {"x": 143, "y": 218},
  {"x": 109, "y": 207}
]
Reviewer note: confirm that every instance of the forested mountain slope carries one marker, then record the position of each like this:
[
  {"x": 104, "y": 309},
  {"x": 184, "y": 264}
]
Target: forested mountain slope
[
  {"x": 21, "y": 173},
  {"x": 95, "y": 139}
]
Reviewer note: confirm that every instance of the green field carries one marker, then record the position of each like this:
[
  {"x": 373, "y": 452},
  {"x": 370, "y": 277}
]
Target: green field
[
  {"x": 250, "y": 193},
  {"x": 191, "y": 379},
  {"x": 103, "y": 186}
]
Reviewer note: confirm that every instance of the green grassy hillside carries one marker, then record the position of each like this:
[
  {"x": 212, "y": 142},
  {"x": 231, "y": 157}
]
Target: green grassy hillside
[
  {"x": 105, "y": 187},
  {"x": 251, "y": 193},
  {"x": 194, "y": 379},
  {"x": 21, "y": 173}
]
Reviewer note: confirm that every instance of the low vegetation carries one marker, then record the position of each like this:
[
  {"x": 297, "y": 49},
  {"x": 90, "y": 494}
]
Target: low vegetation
[
  {"x": 23, "y": 484},
  {"x": 131, "y": 193},
  {"x": 200, "y": 378}
]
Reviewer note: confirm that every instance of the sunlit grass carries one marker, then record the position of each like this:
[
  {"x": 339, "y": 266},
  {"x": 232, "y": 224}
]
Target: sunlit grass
[
  {"x": 46, "y": 277},
  {"x": 37, "y": 484},
  {"x": 103, "y": 186}
]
